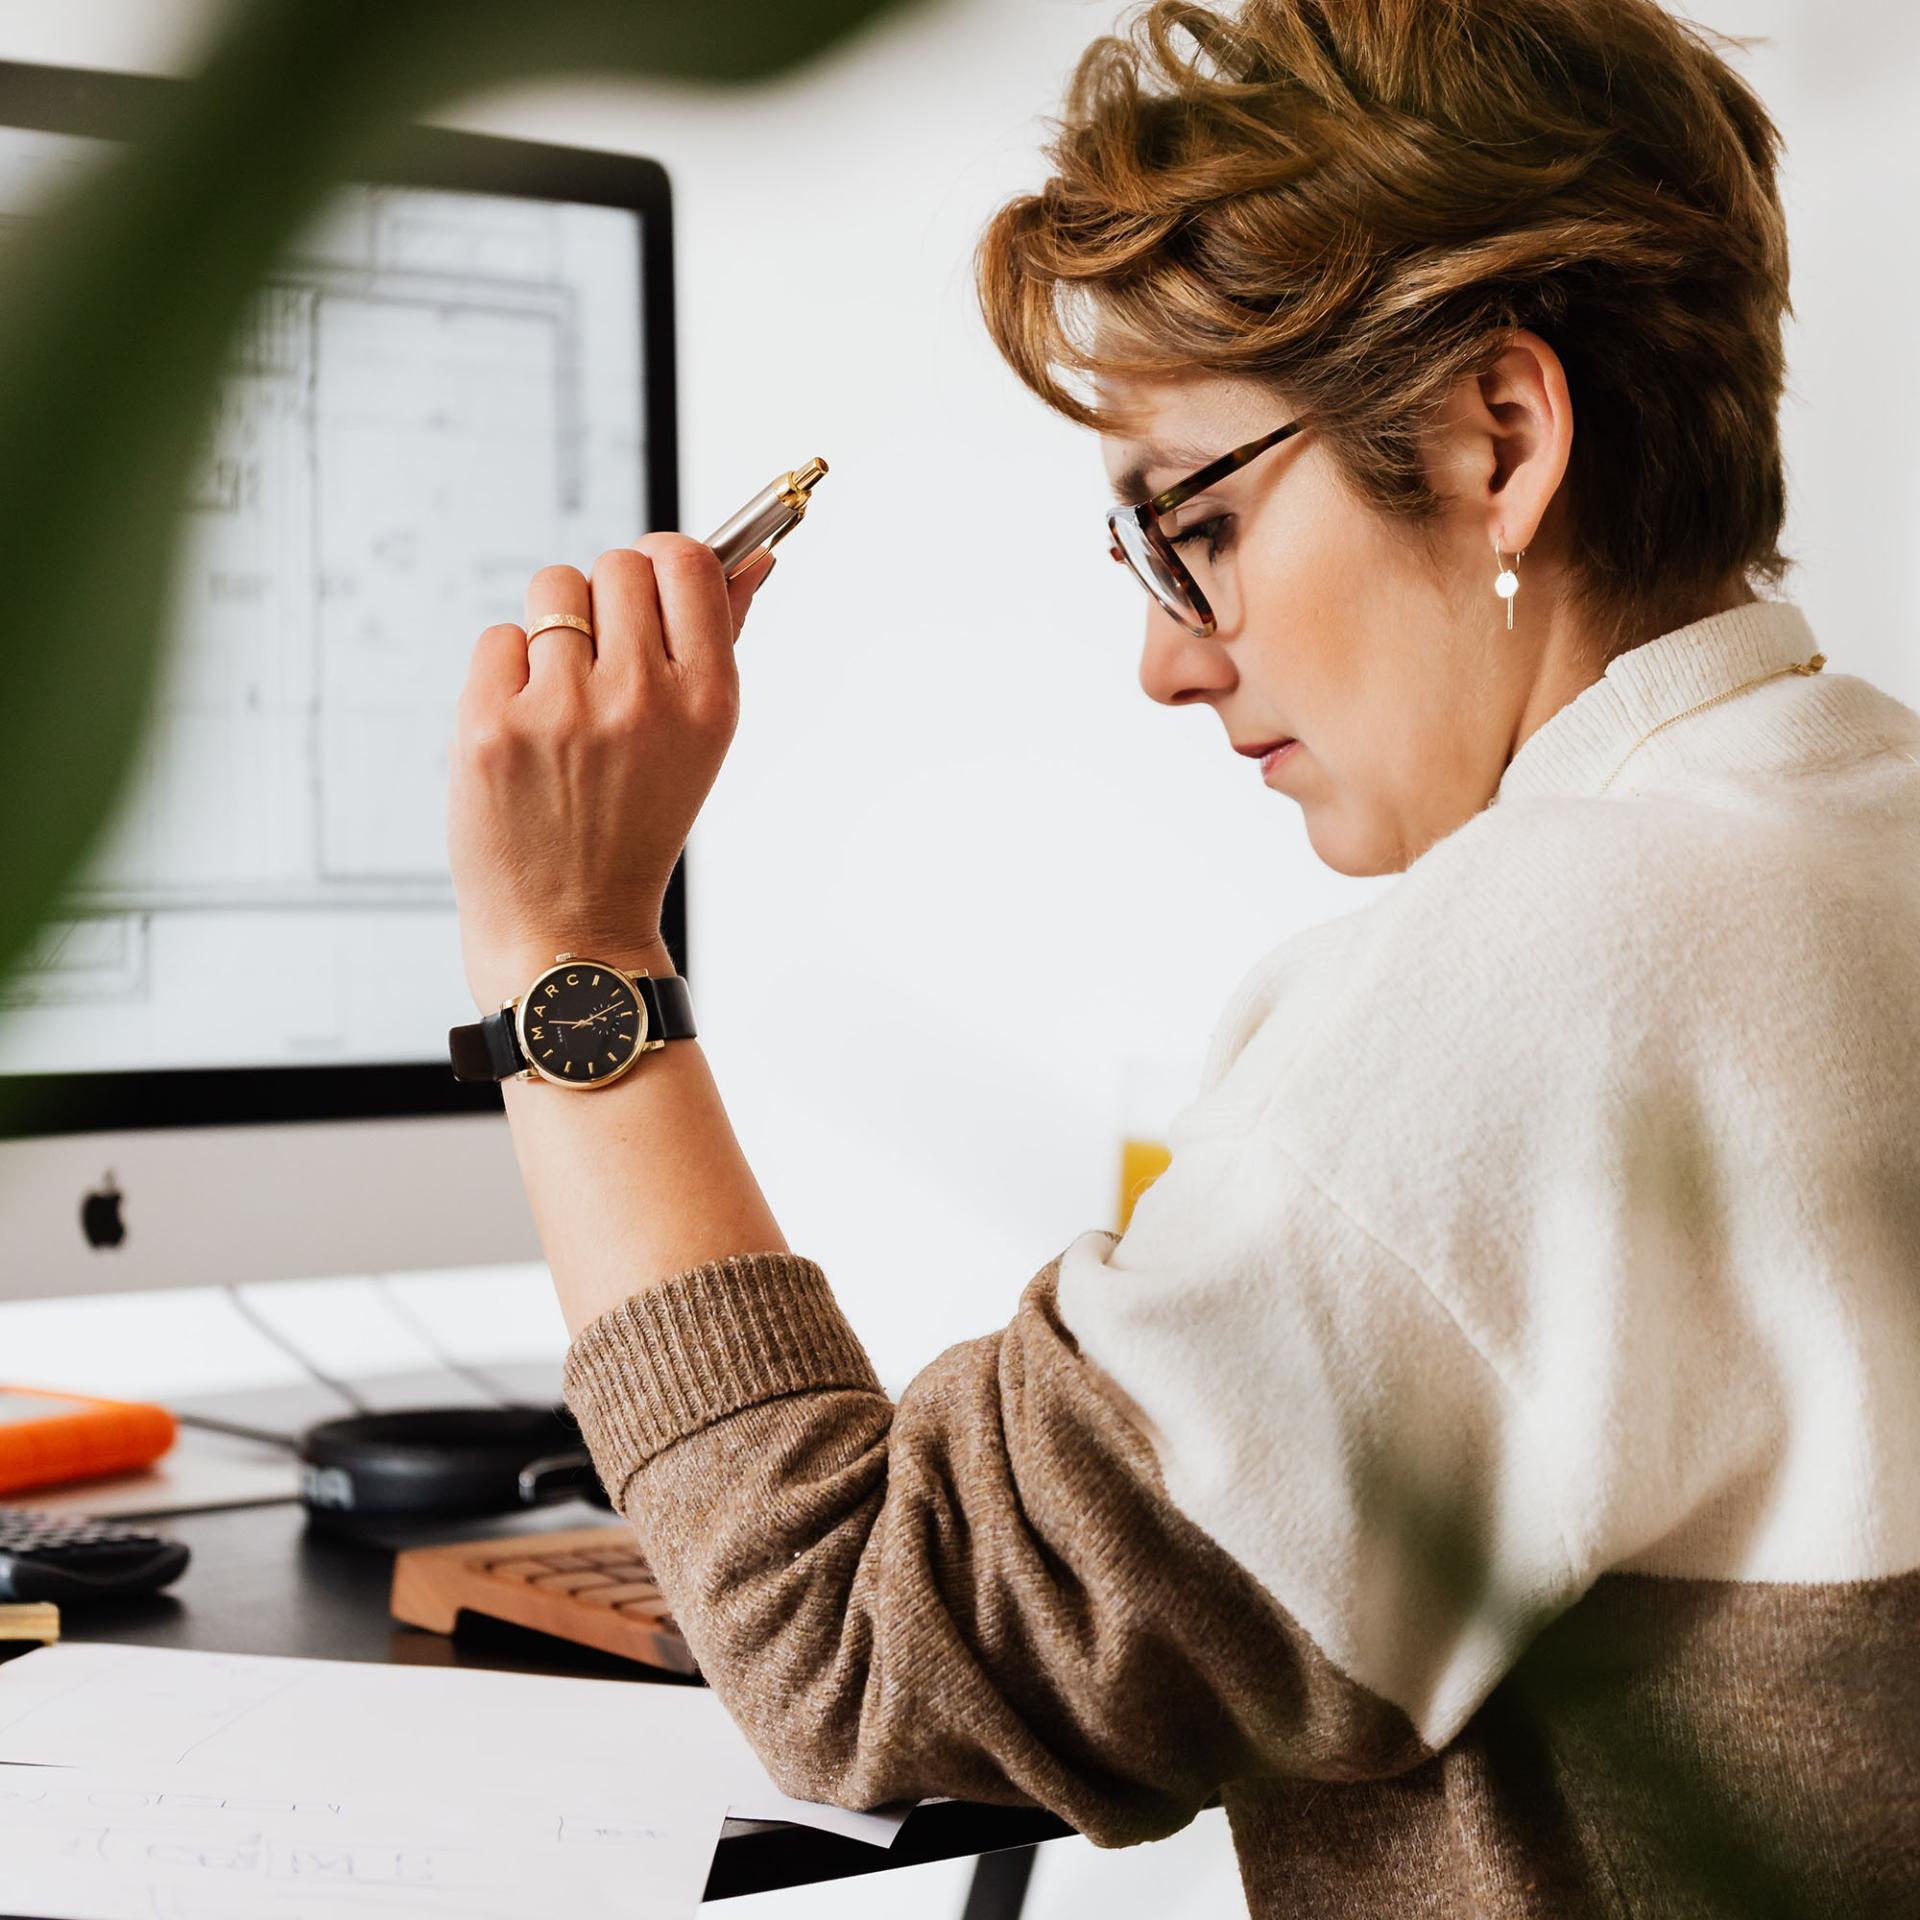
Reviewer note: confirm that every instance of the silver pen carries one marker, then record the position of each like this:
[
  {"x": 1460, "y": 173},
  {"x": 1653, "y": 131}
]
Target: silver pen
[{"x": 766, "y": 519}]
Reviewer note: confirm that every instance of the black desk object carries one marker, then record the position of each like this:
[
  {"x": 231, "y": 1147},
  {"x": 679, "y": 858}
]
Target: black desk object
[
  {"x": 61, "y": 1558},
  {"x": 262, "y": 1581}
]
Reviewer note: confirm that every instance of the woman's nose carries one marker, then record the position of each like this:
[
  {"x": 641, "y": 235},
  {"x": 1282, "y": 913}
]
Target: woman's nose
[{"x": 1178, "y": 667}]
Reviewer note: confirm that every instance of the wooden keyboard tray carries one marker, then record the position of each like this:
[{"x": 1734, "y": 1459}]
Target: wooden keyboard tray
[{"x": 589, "y": 1586}]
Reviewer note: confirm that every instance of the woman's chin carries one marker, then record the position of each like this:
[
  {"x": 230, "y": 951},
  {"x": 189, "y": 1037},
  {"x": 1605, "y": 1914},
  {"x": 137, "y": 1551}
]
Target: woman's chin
[{"x": 1359, "y": 856}]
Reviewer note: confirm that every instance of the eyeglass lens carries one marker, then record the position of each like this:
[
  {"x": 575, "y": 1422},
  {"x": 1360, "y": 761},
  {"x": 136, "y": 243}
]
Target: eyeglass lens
[{"x": 1150, "y": 567}]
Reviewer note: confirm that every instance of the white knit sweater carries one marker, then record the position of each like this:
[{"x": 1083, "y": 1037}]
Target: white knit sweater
[
  {"x": 1574, "y": 1182},
  {"x": 1490, "y": 1459}
]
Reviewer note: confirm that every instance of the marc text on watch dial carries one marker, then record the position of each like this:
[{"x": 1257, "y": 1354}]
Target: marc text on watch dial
[{"x": 582, "y": 1024}]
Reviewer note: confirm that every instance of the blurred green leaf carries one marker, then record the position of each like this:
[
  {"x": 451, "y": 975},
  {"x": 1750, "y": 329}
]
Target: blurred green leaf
[{"x": 117, "y": 308}]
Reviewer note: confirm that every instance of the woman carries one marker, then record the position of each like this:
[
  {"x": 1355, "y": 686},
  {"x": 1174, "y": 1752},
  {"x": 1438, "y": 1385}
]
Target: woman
[{"x": 1490, "y": 1459}]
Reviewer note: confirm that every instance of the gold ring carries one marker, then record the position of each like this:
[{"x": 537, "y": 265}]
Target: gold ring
[{"x": 573, "y": 620}]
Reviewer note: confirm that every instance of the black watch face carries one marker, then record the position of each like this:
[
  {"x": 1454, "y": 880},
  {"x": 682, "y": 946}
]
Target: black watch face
[{"x": 582, "y": 1024}]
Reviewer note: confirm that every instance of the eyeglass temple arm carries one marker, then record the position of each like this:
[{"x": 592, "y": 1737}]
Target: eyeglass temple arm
[{"x": 1182, "y": 490}]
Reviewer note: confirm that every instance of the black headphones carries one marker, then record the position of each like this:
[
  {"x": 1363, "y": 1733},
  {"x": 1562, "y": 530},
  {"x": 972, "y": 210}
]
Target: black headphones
[{"x": 443, "y": 1463}]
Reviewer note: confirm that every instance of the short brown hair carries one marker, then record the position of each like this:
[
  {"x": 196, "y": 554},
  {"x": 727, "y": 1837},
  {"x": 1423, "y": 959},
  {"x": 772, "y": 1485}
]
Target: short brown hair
[{"x": 1358, "y": 201}]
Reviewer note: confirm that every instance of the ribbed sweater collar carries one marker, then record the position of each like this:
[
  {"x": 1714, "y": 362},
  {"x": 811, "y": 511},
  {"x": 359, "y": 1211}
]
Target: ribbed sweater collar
[{"x": 1596, "y": 731}]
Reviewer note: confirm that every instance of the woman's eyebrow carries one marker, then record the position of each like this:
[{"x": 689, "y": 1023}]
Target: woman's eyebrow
[{"x": 1132, "y": 484}]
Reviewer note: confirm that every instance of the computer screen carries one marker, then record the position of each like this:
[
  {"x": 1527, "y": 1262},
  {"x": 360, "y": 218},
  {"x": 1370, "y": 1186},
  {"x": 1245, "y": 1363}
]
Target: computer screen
[{"x": 456, "y": 374}]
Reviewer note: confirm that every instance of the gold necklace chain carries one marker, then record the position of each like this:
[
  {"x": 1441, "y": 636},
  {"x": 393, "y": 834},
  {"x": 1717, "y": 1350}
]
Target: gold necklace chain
[{"x": 1814, "y": 665}]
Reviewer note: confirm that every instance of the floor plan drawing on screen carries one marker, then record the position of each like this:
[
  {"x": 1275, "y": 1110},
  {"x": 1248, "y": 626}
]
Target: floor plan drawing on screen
[{"x": 436, "y": 394}]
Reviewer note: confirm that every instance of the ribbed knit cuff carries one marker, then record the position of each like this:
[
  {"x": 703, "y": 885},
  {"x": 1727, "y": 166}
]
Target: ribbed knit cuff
[{"x": 711, "y": 1340}]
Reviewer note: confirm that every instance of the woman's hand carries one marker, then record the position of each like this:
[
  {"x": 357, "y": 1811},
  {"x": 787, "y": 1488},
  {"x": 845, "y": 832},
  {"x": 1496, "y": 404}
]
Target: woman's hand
[{"x": 578, "y": 765}]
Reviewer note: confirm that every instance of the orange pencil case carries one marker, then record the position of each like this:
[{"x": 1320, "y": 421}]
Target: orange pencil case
[{"x": 49, "y": 1438}]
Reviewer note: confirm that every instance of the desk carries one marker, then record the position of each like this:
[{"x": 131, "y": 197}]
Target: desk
[{"x": 262, "y": 1581}]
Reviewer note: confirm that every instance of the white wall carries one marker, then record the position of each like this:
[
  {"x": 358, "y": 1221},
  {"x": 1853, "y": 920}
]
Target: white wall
[{"x": 958, "y": 866}]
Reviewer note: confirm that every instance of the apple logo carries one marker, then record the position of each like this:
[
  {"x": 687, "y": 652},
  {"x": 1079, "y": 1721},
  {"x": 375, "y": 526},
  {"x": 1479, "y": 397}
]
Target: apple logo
[{"x": 100, "y": 1216}]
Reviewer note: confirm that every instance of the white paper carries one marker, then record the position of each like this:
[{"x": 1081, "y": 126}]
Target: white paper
[
  {"x": 359, "y": 1723},
  {"x": 186, "y": 1843}
]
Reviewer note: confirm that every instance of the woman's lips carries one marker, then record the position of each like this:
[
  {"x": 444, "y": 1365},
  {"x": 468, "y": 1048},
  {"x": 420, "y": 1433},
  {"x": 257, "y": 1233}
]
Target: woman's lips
[{"x": 1268, "y": 761}]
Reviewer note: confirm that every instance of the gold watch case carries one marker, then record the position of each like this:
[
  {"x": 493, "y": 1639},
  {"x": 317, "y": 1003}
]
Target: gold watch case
[{"x": 581, "y": 976}]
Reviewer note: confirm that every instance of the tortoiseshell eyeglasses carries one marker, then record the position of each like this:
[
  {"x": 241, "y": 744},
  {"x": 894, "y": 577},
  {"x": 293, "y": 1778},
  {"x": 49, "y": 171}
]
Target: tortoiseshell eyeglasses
[{"x": 1138, "y": 541}]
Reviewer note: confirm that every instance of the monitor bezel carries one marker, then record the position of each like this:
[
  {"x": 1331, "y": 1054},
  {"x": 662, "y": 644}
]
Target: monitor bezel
[{"x": 113, "y": 105}]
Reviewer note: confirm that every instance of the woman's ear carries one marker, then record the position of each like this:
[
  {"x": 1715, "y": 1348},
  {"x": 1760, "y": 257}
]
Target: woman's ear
[{"x": 1517, "y": 423}]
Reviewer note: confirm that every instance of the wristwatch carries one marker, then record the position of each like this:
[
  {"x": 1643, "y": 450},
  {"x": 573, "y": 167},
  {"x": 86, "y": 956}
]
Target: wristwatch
[{"x": 582, "y": 1023}]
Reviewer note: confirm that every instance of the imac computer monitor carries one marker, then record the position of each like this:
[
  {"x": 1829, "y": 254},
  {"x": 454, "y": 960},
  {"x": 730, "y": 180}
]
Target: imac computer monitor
[{"x": 224, "y": 1056}]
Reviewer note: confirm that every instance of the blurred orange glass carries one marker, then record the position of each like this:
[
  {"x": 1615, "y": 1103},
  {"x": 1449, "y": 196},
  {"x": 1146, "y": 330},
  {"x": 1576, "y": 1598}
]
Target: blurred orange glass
[
  {"x": 1153, "y": 1088},
  {"x": 1142, "y": 1162}
]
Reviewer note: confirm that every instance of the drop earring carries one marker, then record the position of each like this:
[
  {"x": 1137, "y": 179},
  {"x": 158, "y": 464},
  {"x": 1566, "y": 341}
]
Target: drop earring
[{"x": 1506, "y": 583}]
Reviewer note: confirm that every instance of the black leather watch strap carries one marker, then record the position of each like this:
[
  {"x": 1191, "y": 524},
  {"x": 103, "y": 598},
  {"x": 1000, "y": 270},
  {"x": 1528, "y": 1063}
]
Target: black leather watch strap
[
  {"x": 669, "y": 1007},
  {"x": 487, "y": 1049}
]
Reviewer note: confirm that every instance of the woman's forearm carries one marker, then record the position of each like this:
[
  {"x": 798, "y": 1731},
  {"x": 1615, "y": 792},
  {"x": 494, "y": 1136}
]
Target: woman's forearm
[{"x": 633, "y": 1182}]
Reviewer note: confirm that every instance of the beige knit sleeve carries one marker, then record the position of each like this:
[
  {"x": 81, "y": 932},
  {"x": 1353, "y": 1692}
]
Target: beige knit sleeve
[{"x": 981, "y": 1591}]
